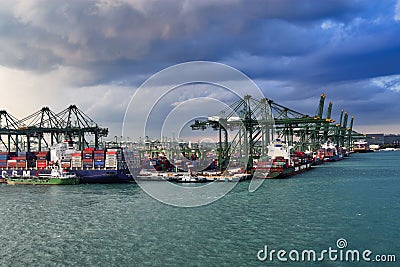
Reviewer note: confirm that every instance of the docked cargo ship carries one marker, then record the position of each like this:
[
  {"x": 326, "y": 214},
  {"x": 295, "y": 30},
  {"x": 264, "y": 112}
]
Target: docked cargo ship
[
  {"x": 331, "y": 152},
  {"x": 361, "y": 146},
  {"x": 281, "y": 162},
  {"x": 90, "y": 165},
  {"x": 56, "y": 177}
]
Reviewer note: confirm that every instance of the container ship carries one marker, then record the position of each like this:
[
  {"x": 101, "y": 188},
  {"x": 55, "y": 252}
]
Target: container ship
[
  {"x": 361, "y": 146},
  {"x": 281, "y": 163},
  {"x": 90, "y": 165},
  {"x": 331, "y": 152}
]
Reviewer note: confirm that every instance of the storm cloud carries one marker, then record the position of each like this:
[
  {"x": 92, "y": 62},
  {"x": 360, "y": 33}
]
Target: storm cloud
[{"x": 96, "y": 53}]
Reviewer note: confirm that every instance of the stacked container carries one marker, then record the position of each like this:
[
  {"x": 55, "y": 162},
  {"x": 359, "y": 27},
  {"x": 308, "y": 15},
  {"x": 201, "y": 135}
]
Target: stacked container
[
  {"x": 88, "y": 159},
  {"x": 99, "y": 159},
  {"x": 41, "y": 159},
  {"x": 111, "y": 159},
  {"x": 65, "y": 163},
  {"x": 3, "y": 159},
  {"x": 12, "y": 163},
  {"x": 76, "y": 161},
  {"x": 22, "y": 160}
]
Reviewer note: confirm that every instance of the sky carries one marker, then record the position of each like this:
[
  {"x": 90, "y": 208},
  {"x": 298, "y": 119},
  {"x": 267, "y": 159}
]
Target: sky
[{"x": 97, "y": 53}]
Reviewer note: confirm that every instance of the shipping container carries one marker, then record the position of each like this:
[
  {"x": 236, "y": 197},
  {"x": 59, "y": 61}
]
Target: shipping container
[
  {"x": 11, "y": 163},
  {"x": 99, "y": 164},
  {"x": 22, "y": 165},
  {"x": 65, "y": 165},
  {"x": 87, "y": 156},
  {"x": 87, "y": 165},
  {"x": 41, "y": 164},
  {"x": 76, "y": 163}
]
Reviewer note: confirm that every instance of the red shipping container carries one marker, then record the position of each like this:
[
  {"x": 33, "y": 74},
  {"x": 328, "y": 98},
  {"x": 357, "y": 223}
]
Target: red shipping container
[
  {"x": 111, "y": 152},
  {"x": 21, "y": 164},
  {"x": 41, "y": 164}
]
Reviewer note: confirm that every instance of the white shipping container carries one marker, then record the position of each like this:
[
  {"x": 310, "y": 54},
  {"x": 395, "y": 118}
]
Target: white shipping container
[{"x": 110, "y": 164}]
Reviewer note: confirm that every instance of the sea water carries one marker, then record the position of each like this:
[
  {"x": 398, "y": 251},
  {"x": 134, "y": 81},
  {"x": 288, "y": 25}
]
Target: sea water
[{"x": 356, "y": 200}]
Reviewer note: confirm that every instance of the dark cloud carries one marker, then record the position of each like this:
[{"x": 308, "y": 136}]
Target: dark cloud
[{"x": 294, "y": 49}]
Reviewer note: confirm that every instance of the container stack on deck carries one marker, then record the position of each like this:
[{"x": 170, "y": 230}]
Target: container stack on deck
[
  {"x": 76, "y": 162},
  {"x": 111, "y": 161},
  {"x": 42, "y": 158},
  {"x": 99, "y": 159},
  {"x": 3, "y": 159},
  {"x": 88, "y": 158}
]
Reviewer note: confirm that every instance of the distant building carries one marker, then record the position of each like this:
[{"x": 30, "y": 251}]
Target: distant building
[
  {"x": 383, "y": 139},
  {"x": 392, "y": 139},
  {"x": 375, "y": 139}
]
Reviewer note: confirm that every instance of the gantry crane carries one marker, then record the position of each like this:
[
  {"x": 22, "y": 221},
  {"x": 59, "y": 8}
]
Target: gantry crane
[
  {"x": 258, "y": 122},
  {"x": 46, "y": 127}
]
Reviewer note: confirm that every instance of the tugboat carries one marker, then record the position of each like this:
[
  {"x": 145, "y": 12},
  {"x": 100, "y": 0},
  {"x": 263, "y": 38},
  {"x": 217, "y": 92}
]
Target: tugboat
[{"x": 56, "y": 177}]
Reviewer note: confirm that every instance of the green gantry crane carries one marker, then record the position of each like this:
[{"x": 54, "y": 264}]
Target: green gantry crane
[
  {"x": 255, "y": 123},
  {"x": 45, "y": 127}
]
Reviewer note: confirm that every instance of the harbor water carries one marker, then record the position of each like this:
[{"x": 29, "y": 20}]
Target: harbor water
[{"x": 356, "y": 199}]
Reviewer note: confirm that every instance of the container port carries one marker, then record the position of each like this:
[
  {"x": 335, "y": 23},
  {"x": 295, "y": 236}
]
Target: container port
[{"x": 267, "y": 140}]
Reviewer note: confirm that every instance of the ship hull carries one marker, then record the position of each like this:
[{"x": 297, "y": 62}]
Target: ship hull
[
  {"x": 333, "y": 158},
  {"x": 85, "y": 176},
  {"x": 43, "y": 181},
  {"x": 287, "y": 171},
  {"x": 363, "y": 150}
]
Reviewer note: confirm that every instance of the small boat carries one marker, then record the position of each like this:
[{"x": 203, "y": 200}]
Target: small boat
[
  {"x": 189, "y": 178},
  {"x": 56, "y": 177}
]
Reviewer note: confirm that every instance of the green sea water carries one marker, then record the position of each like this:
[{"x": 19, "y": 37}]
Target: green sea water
[{"x": 357, "y": 199}]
